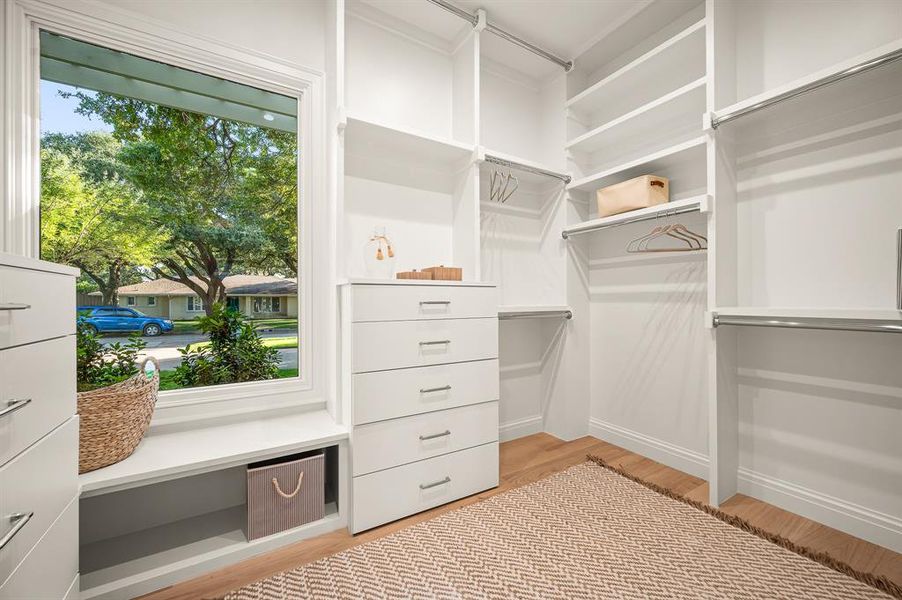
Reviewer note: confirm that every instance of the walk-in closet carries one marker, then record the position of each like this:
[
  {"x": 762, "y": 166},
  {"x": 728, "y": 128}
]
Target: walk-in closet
[{"x": 584, "y": 276}]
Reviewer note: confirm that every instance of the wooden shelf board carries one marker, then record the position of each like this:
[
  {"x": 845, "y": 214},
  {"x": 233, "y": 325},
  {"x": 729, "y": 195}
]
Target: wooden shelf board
[
  {"x": 852, "y": 314},
  {"x": 147, "y": 560},
  {"x": 685, "y": 104},
  {"x": 427, "y": 282},
  {"x": 180, "y": 451},
  {"x": 679, "y": 50},
  {"x": 363, "y": 136},
  {"x": 801, "y": 82},
  {"x": 643, "y": 165}
]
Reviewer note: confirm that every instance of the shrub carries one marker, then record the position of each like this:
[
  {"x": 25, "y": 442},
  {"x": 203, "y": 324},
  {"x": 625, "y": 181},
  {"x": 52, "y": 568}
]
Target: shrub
[
  {"x": 235, "y": 353},
  {"x": 98, "y": 364}
]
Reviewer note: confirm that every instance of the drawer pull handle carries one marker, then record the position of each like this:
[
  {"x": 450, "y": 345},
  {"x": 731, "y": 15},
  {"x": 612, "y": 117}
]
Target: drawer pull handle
[
  {"x": 444, "y": 388},
  {"x": 426, "y": 486},
  {"x": 14, "y": 306},
  {"x": 427, "y": 302},
  {"x": 435, "y": 343},
  {"x": 18, "y": 521},
  {"x": 275, "y": 484},
  {"x": 13, "y": 406},
  {"x": 435, "y": 435}
]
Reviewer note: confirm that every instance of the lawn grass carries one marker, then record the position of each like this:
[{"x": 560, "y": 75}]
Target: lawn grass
[
  {"x": 167, "y": 378},
  {"x": 185, "y": 327},
  {"x": 279, "y": 343}
]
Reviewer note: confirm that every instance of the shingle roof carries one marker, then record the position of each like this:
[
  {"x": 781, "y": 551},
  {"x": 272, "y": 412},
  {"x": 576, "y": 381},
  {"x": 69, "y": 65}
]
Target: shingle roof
[{"x": 236, "y": 285}]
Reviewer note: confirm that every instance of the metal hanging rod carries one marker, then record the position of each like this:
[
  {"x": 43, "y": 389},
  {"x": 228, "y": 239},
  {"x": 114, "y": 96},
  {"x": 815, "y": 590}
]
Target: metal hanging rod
[
  {"x": 814, "y": 85},
  {"x": 899, "y": 269},
  {"x": 870, "y": 325},
  {"x": 520, "y": 166},
  {"x": 557, "y": 314},
  {"x": 593, "y": 226},
  {"x": 474, "y": 21}
]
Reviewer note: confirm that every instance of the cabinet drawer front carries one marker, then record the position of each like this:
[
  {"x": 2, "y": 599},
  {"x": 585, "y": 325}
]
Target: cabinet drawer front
[
  {"x": 395, "y": 345},
  {"x": 391, "y": 394},
  {"x": 410, "y": 302},
  {"x": 41, "y": 480},
  {"x": 397, "y": 442},
  {"x": 50, "y": 568},
  {"x": 50, "y": 299},
  {"x": 24, "y": 376},
  {"x": 394, "y": 493}
]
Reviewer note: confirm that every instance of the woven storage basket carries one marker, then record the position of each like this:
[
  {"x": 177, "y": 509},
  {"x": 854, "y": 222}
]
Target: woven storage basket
[{"x": 113, "y": 419}]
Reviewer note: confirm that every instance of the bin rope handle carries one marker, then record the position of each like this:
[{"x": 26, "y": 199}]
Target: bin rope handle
[{"x": 275, "y": 484}]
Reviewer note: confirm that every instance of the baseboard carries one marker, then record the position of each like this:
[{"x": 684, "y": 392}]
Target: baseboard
[
  {"x": 521, "y": 428},
  {"x": 862, "y": 522},
  {"x": 665, "y": 453}
]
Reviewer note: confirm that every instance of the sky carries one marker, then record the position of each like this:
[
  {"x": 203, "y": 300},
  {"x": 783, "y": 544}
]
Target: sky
[{"x": 58, "y": 114}]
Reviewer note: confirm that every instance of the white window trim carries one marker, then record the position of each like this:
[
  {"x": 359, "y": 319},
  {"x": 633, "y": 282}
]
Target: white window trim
[
  {"x": 151, "y": 301},
  {"x": 194, "y": 304},
  {"x": 119, "y": 29}
]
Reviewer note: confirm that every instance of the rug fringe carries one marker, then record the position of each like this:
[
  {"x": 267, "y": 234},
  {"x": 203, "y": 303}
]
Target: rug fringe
[{"x": 880, "y": 582}]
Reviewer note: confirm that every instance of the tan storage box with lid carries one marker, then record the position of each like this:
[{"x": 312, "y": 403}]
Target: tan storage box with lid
[
  {"x": 285, "y": 493},
  {"x": 641, "y": 192}
]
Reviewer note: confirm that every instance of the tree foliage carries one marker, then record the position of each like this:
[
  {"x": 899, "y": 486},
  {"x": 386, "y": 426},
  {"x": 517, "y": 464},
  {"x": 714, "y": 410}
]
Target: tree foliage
[
  {"x": 223, "y": 193},
  {"x": 90, "y": 216}
]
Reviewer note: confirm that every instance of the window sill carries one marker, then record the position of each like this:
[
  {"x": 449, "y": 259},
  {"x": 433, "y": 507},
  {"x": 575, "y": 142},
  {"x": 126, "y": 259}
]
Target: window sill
[{"x": 175, "y": 451}]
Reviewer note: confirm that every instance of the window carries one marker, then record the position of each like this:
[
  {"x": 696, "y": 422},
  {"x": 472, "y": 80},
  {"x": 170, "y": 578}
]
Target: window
[
  {"x": 173, "y": 182},
  {"x": 195, "y": 304},
  {"x": 233, "y": 303},
  {"x": 267, "y": 304}
]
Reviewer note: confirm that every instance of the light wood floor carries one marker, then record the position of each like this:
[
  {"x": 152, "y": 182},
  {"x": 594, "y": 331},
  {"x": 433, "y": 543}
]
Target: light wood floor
[{"x": 531, "y": 458}]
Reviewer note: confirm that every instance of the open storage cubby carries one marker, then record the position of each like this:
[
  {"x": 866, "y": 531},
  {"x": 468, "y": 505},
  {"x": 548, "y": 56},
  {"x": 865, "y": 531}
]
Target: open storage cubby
[{"x": 142, "y": 538}]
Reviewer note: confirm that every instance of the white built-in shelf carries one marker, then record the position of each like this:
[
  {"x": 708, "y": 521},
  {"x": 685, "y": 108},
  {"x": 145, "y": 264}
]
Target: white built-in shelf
[
  {"x": 824, "y": 75},
  {"x": 367, "y": 137},
  {"x": 680, "y": 109},
  {"x": 852, "y": 319},
  {"x": 180, "y": 451},
  {"x": 658, "y": 67},
  {"x": 536, "y": 310},
  {"x": 687, "y": 205},
  {"x": 427, "y": 282},
  {"x": 692, "y": 150},
  {"x": 23, "y": 262},
  {"x": 146, "y": 560}
]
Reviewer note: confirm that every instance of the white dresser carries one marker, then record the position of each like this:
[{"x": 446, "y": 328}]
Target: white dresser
[
  {"x": 420, "y": 394},
  {"x": 38, "y": 431}
]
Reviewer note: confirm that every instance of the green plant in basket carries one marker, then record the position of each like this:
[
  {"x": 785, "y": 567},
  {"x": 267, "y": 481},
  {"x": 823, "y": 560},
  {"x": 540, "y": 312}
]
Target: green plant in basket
[{"x": 99, "y": 365}]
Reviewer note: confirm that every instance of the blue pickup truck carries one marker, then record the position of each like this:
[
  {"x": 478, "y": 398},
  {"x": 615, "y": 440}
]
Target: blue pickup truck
[{"x": 109, "y": 319}]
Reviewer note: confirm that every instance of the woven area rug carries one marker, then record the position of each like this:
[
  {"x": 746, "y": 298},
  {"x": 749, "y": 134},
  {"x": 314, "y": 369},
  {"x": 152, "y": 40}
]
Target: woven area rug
[{"x": 587, "y": 532}]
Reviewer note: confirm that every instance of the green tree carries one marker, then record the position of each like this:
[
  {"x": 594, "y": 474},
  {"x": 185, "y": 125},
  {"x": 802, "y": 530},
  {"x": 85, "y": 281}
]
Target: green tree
[
  {"x": 225, "y": 192},
  {"x": 98, "y": 226}
]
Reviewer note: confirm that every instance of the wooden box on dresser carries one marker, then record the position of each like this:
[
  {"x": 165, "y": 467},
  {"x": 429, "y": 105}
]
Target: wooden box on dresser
[
  {"x": 38, "y": 431},
  {"x": 420, "y": 395}
]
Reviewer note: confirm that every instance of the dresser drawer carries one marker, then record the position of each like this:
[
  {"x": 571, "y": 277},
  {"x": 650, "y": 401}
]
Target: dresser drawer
[
  {"x": 399, "y": 344},
  {"x": 42, "y": 480},
  {"x": 394, "y": 493},
  {"x": 50, "y": 568},
  {"x": 397, "y": 442},
  {"x": 50, "y": 299},
  {"x": 43, "y": 373},
  {"x": 412, "y": 302},
  {"x": 390, "y": 394}
]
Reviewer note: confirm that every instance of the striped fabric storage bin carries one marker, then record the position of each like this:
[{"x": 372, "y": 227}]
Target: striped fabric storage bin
[{"x": 284, "y": 493}]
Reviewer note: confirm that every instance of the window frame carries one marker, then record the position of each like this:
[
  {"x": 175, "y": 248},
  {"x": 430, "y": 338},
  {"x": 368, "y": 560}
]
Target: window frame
[
  {"x": 151, "y": 300},
  {"x": 131, "y": 301},
  {"x": 194, "y": 304},
  {"x": 127, "y": 31}
]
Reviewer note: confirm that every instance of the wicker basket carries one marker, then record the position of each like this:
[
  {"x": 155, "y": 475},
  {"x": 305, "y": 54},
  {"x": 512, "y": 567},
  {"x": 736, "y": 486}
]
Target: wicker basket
[{"x": 113, "y": 419}]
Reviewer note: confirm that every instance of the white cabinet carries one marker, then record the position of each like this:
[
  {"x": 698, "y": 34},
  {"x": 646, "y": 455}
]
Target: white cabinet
[
  {"x": 422, "y": 392},
  {"x": 38, "y": 430}
]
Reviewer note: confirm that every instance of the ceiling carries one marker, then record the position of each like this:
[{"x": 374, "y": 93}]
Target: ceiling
[{"x": 563, "y": 27}]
